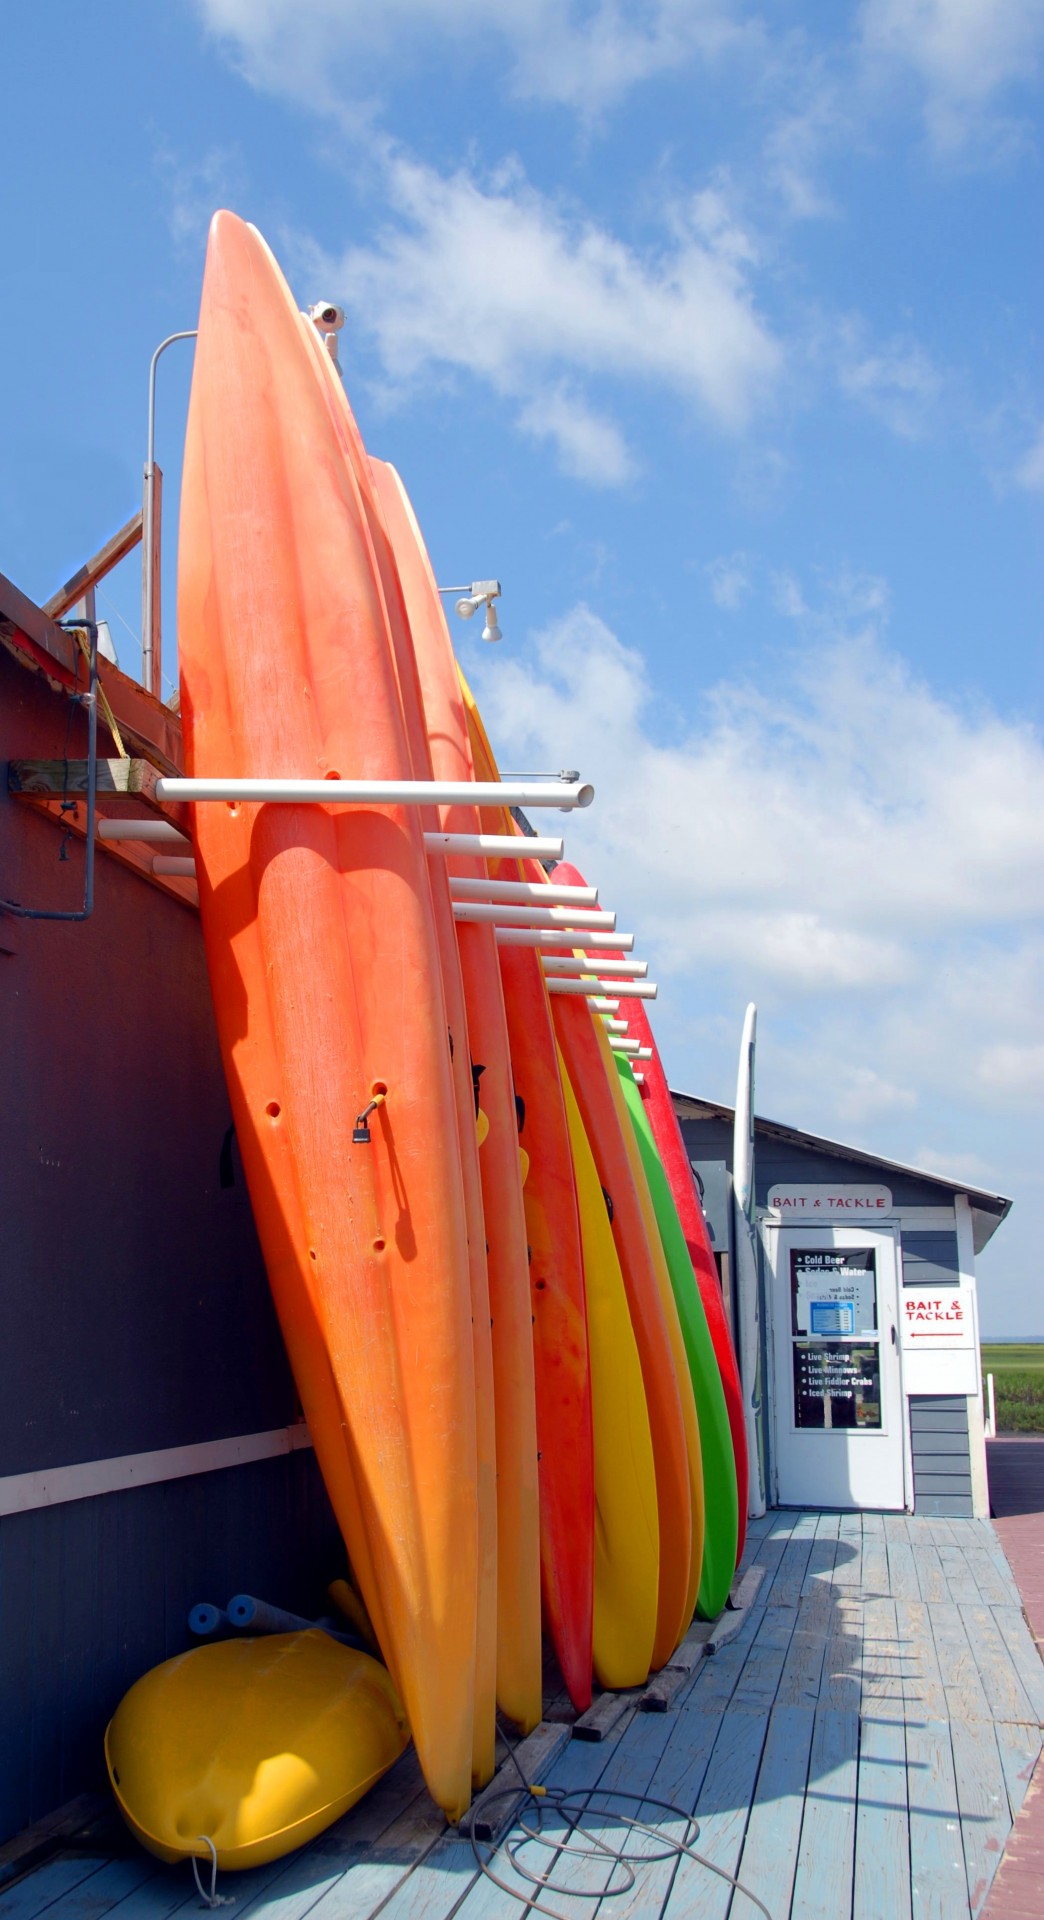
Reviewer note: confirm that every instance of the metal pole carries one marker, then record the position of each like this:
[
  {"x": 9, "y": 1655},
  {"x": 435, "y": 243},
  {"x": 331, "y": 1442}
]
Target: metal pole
[{"x": 151, "y": 677}]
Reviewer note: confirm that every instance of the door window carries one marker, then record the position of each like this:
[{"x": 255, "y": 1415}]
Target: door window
[{"x": 834, "y": 1336}]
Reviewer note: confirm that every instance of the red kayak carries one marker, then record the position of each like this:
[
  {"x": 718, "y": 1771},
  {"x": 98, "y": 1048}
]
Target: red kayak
[{"x": 668, "y": 1136}]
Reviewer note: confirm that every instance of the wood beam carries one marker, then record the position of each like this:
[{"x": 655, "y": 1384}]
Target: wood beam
[
  {"x": 133, "y": 779},
  {"x": 95, "y": 569}
]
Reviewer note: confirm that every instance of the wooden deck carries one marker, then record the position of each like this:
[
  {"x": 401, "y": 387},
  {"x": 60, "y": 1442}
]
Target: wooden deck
[{"x": 857, "y": 1751}]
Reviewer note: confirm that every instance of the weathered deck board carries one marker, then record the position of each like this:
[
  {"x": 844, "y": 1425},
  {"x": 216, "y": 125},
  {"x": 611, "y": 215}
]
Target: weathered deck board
[
  {"x": 923, "y": 1689},
  {"x": 938, "y": 1882},
  {"x": 982, "y": 1798},
  {"x": 1011, "y": 1624},
  {"x": 823, "y": 1880},
  {"x": 770, "y": 1851},
  {"x": 721, "y": 1810},
  {"x": 857, "y": 1751},
  {"x": 1000, "y": 1680},
  {"x": 965, "y": 1697},
  {"x": 882, "y": 1852},
  {"x": 1019, "y": 1749}
]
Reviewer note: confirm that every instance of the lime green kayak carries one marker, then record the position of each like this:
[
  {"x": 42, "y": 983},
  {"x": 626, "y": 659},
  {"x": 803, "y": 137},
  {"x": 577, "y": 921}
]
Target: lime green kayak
[{"x": 719, "y": 1460}]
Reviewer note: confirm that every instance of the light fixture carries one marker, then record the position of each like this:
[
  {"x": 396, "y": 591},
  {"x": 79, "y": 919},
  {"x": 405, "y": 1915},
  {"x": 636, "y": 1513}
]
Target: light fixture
[
  {"x": 327, "y": 319},
  {"x": 480, "y": 593}
]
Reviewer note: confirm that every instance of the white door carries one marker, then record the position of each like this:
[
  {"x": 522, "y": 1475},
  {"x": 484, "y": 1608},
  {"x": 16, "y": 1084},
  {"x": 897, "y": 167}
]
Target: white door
[{"x": 837, "y": 1386}]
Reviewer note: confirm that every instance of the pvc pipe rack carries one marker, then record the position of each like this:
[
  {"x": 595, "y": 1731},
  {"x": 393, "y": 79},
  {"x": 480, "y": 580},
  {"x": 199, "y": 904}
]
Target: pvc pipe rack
[
  {"x": 523, "y": 892},
  {"x": 591, "y": 990},
  {"x": 565, "y": 917},
  {"x": 515, "y": 846},
  {"x": 563, "y": 794},
  {"x": 567, "y": 963},
  {"x": 481, "y": 845},
  {"x": 562, "y": 937},
  {"x": 142, "y": 830}
]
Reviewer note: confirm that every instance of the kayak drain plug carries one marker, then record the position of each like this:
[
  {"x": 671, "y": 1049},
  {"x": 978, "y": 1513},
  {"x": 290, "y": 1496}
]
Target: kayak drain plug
[{"x": 360, "y": 1131}]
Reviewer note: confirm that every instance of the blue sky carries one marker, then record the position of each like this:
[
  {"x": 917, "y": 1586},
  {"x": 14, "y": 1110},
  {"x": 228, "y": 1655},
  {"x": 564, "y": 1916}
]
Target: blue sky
[{"x": 713, "y": 331}]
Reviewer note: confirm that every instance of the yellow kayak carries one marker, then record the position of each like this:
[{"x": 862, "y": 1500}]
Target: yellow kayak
[
  {"x": 251, "y": 1747},
  {"x": 627, "y": 1545}
]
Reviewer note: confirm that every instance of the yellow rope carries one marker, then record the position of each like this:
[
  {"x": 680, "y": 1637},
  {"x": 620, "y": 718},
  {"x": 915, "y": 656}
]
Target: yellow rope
[{"x": 103, "y": 700}]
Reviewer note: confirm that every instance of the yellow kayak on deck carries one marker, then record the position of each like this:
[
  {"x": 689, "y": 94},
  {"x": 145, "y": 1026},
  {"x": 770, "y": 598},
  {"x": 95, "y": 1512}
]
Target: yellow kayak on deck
[
  {"x": 627, "y": 1540},
  {"x": 251, "y": 1746}
]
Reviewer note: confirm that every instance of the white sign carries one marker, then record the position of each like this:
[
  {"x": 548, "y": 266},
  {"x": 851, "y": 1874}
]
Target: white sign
[
  {"x": 934, "y": 1318},
  {"x": 830, "y": 1203}
]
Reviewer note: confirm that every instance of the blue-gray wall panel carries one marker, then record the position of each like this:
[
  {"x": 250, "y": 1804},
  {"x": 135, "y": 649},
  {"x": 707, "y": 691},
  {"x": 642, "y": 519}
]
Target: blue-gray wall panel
[
  {"x": 96, "y": 1592},
  {"x": 941, "y": 1451},
  {"x": 930, "y": 1260},
  {"x": 943, "y": 1506}
]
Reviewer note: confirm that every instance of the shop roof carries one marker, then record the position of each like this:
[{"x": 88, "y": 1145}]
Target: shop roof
[{"x": 988, "y": 1209}]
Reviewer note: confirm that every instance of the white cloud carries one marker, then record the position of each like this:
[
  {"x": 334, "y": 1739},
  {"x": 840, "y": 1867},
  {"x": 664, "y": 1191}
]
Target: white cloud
[
  {"x": 1030, "y": 471},
  {"x": 859, "y": 854},
  {"x": 895, "y": 380},
  {"x": 560, "y": 51},
  {"x": 494, "y": 279},
  {"x": 195, "y": 187},
  {"x": 1017, "y": 1070},
  {"x": 863, "y": 1094},
  {"x": 967, "y": 55},
  {"x": 589, "y": 446},
  {"x": 731, "y": 580}
]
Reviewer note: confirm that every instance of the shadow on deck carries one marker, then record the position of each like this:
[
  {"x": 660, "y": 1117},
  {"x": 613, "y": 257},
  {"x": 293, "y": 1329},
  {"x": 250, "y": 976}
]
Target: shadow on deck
[{"x": 857, "y": 1751}]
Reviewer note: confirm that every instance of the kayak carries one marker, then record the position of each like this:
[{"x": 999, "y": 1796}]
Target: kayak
[
  {"x": 484, "y": 1735},
  {"x": 659, "y": 1107},
  {"x": 557, "y": 1293},
  {"x": 327, "y": 984},
  {"x": 719, "y": 1464},
  {"x": 519, "y": 1675},
  {"x": 252, "y": 1746},
  {"x": 627, "y": 1534}
]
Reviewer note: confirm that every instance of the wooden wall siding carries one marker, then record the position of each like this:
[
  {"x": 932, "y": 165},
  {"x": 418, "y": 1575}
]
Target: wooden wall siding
[
  {"x": 930, "y": 1260},
  {"x": 95, "y": 1593},
  {"x": 136, "y": 1312},
  {"x": 941, "y": 1454}
]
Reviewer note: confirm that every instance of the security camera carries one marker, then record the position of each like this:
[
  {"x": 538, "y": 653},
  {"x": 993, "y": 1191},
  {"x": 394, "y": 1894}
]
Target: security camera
[{"x": 327, "y": 317}]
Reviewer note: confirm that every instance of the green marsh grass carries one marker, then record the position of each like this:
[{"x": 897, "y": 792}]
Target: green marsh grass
[{"x": 1018, "y": 1384}]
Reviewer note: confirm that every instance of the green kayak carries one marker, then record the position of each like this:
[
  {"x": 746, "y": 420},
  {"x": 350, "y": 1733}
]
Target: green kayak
[{"x": 719, "y": 1461}]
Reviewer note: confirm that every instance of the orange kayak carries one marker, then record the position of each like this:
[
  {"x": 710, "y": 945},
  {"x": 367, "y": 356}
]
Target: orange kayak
[
  {"x": 559, "y": 1309},
  {"x": 484, "y": 1742},
  {"x": 519, "y": 1678},
  {"x": 327, "y": 984}
]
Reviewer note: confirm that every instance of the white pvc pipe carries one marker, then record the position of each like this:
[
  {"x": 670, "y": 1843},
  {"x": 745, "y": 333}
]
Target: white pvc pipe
[
  {"x": 564, "y": 794},
  {"x": 629, "y": 989},
  {"x": 615, "y": 1026},
  {"x": 142, "y": 830},
  {"x": 605, "y": 1006},
  {"x": 562, "y": 937},
  {"x": 496, "y": 845},
  {"x": 565, "y": 917},
  {"x": 576, "y": 963},
  {"x": 628, "y": 1047},
  {"x": 639, "y": 1078},
  {"x": 173, "y": 866},
  {"x": 523, "y": 892}
]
